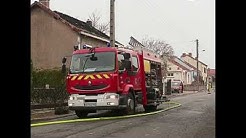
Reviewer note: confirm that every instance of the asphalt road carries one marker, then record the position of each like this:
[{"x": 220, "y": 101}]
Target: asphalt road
[{"x": 195, "y": 118}]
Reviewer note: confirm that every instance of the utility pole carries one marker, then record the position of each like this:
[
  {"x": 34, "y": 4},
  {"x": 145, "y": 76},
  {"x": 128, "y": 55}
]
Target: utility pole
[
  {"x": 197, "y": 70},
  {"x": 112, "y": 24}
]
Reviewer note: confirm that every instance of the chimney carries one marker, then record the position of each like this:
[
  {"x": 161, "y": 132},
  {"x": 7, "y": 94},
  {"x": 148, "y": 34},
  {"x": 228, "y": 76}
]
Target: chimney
[
  {"x": 89, "y": 22},
  {"x": 45, "y": 3},
  {"x": 183, "y": 55},
  {"x": 190, "y": 54}
]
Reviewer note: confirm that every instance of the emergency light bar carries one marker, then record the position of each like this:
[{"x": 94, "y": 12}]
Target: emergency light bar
[{"x": 87, "y": 46}]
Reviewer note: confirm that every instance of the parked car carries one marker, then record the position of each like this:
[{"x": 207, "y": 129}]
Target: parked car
[{"x": 177, "y": 86}]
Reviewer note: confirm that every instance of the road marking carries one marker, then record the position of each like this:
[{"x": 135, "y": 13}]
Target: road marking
[{"x": 106, "y": 118}]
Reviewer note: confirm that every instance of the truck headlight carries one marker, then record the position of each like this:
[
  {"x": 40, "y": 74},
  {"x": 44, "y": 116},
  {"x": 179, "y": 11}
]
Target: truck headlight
[
  {"x": 113, "y": 96},
  {"x": 71, "y": 98}
]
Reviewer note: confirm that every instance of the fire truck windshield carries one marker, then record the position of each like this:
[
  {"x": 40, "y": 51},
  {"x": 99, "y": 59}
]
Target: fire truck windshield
[{"x": 84, "y": 63}]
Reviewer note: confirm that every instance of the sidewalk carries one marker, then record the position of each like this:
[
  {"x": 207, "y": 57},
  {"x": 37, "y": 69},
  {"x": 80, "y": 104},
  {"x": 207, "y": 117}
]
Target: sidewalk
[{"x": 181, "y": 94}]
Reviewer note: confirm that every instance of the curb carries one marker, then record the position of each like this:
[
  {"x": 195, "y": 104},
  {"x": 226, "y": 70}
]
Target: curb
[
  {"x": 52, "y": 117},
  {"x": 181, "y": 94}
]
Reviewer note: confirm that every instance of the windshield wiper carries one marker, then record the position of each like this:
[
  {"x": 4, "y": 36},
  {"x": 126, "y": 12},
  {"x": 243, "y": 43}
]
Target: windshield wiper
[{"x": 85, "y": 63}]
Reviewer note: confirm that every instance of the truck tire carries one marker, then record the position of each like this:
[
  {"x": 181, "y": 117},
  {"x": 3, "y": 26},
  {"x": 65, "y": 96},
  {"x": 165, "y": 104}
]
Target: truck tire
[
  {"x": 130, "y": 109},
  {"x": 81, "y": 114},
  {"x": 150, "y": 108}
]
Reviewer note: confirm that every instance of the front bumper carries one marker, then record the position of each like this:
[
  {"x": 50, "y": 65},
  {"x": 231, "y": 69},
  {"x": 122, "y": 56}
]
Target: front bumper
[
  {"x": 97, "y": 107},
  {"x": 106, "y": 101}
]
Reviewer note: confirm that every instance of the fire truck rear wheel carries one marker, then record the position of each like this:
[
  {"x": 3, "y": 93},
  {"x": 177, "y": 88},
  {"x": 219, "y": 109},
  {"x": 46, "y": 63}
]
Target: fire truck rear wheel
[{"x": 81, "y": 114}]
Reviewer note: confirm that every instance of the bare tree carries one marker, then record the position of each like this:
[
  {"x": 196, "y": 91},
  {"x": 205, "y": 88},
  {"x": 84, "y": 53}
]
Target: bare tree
[
  {"x": 160, "y": 47},
  {"x": 104, "y": 27},
  {"x": 95, "y": 19}
]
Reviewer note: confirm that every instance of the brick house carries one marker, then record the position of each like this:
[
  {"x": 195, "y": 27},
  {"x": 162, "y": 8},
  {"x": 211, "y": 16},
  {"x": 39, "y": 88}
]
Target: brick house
[
  {"x": 54, "y": 34},
  {"x": 211, "y": 76}
]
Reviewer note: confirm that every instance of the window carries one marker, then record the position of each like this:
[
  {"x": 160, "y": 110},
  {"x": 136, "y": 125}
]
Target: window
[
  {"x": 135, "y": 63},
  {"x": 204, "y": 70},
  {"x": 188, "y": 78},
  {"x": 169, "y": 68},
  {"x": 120, "y": 61},
  {"x": 83, "y": 63}
]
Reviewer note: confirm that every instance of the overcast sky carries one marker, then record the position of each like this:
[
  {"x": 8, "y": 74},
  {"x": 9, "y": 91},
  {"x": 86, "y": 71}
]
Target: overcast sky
[{"x": 177, "y": 22}]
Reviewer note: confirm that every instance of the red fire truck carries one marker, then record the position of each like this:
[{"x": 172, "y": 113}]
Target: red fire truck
[{"x": 111, "y": 78}]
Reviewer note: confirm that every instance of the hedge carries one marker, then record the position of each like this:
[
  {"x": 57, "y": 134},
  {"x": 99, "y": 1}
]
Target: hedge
[{"x": 56, "y": 93}]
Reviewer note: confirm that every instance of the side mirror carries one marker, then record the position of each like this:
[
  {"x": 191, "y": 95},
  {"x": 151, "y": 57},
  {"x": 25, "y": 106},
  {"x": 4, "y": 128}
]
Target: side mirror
[
  {"x": 93, "y": 58},
  {"x": 128, "y": 65},
  {"x": 126, "y": 55},
  {"x": 64, "y": 60}
]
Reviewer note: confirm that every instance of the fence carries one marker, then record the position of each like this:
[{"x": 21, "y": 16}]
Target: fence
[
  {"x": 48, "y": 98},
  {"x": 194, "y": 87}
]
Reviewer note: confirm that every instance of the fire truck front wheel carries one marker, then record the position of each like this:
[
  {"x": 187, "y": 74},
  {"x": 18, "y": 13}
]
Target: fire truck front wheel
[
  {"x": 130, "y": 109},
  {"x": 81, "y": 114}
]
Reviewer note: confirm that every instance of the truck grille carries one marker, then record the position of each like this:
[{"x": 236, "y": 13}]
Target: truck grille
[
  {"x": 92, "y": 87},
  {"x": 91, "y": 100}
]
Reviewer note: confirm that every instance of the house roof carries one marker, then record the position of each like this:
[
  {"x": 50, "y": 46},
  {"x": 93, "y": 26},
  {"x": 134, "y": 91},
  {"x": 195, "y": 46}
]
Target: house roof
[
  {"x": 181, "y": 62},
  {"x": 184, "y": 55},
  {"x": 82, "y": 25},
  {"x": 191, "y": 66},
  {"x": 74, "y": 24},
  {"x": 176, "y": 63}
]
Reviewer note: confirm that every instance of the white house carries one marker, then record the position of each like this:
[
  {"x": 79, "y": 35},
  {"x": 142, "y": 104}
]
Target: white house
[
  {"x": 178, "y": 70},
  {"x": 189, "y": 71}
]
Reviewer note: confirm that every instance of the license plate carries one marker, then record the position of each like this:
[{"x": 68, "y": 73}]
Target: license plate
[{"x": 90, "y": 104}]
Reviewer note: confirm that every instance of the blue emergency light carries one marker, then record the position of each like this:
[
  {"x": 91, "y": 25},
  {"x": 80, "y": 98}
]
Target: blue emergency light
[
  {"x": 108, "y": 44},
  {"x": 86, "y": 46}
]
